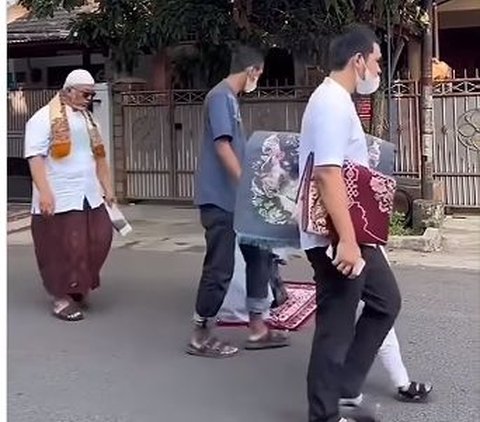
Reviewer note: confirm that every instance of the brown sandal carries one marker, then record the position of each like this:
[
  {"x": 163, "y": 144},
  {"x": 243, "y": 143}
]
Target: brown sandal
[
  {"x": 212, "y": 348},
  {"x": 70, "y": 313},
  {"x": 271, "y": 340}
]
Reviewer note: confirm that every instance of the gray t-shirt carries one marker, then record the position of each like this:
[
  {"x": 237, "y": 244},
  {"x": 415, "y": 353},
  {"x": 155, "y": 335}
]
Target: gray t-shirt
[{"x": 213, "y": 185}]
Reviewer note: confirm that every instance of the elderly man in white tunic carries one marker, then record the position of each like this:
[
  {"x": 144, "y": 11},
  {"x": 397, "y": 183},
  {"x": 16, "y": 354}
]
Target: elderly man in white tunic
[{"x": 71, "y": 229}]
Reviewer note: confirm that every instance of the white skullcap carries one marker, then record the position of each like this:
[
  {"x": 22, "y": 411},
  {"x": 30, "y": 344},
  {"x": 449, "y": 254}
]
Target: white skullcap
[{"x": 79, "y": 77}]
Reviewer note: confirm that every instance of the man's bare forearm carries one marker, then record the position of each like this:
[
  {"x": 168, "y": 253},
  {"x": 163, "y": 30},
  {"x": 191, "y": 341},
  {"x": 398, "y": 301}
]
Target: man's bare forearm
[
  {"x": 229, "y": 159},
  {"x": 103, "y": 174},
  {"x": 334, "y": 196},
  {"x": 39, "y": 173}
]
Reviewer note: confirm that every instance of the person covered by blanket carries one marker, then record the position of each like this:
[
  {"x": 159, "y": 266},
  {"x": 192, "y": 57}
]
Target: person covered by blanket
[
  {"x": 342, "y": 351},
  {"x": 71, "y": 229},
  {"x": 217, "y": 178}
]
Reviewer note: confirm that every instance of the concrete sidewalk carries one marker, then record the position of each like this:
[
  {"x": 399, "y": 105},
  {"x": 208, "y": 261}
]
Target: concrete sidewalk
[
  {"x": 177, "y": 229},
  {"x": 461, "y": 246}
]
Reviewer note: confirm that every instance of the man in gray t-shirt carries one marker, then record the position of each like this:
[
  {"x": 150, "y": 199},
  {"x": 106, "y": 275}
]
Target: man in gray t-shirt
[
  {"x": 223, "y": 123},
  {"x": 219, "y": 172}
]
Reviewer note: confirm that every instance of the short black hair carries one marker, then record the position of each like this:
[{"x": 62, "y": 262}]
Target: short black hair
[
  {"x": 353, "y": 40},
  {"x": 244, "y": 57}
]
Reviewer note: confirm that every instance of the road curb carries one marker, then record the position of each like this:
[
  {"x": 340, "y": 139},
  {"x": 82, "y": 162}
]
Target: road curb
[
  {"x": 18, "y": 225},
  {"x": 430, "y": 241}
]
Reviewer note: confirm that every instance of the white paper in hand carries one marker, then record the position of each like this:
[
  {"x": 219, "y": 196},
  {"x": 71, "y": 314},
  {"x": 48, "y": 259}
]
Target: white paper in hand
[
  {"x": 356, "y": 270},
  {"x": 119, "y": 221}
]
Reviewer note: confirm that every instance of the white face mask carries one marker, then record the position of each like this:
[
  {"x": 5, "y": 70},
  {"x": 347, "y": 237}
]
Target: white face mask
[
  {"x": 251, "y": 85},
  {"x": 368, "y": 85}
]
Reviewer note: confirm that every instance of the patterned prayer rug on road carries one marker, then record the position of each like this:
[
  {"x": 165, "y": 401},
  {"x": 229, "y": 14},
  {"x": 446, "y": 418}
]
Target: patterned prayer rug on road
[{"x": 295, "y": 312}]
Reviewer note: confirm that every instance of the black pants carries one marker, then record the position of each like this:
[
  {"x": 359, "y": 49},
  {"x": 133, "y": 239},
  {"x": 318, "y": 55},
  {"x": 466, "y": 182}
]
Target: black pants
[
  {"x": 342, "y": 352},
  {"x": 219, "y": 263}
]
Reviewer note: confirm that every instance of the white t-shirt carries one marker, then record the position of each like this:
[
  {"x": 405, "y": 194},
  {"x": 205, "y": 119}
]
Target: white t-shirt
[
  {"x": 73, "y": 178},
  {"x": 332, "y": 130}
]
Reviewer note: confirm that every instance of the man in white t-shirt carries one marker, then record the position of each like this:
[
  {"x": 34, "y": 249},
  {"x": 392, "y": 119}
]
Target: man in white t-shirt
[{"x": 342, "y": 351}]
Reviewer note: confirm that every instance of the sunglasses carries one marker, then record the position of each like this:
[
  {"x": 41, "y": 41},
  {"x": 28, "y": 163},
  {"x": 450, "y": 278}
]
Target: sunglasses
[{"x": 88, "y": 95}]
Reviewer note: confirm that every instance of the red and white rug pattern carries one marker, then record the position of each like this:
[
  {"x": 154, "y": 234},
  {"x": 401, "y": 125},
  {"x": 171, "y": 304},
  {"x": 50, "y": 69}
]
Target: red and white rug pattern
[
  {"x": 295, "y": 312},
  {"x": 299, "y": 307}
]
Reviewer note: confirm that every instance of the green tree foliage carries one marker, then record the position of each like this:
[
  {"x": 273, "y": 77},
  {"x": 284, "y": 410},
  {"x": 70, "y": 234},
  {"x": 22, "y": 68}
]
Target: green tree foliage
[
  {"x": 46, "y": 8},
  {"x": 129, "y": 28}
]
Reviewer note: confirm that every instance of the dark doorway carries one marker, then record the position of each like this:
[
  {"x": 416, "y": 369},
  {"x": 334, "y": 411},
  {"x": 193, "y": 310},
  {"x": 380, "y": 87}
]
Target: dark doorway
[
  {"x": 279, "y": 69},
  {"x": 457, "y": 50},
  {"x": 19, "y": 181}
]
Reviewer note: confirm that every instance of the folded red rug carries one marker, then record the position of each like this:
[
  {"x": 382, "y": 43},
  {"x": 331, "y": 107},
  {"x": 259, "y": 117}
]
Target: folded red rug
[{"x": 294, "y": 313}]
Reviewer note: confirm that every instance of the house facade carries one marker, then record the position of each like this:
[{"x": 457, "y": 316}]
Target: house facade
[
  {"x": 458, "y": 30},
  {"x": 155, "y": 117}
]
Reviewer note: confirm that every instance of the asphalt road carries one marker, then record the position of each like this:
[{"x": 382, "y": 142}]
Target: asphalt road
[{"x": 125, "y": 362}]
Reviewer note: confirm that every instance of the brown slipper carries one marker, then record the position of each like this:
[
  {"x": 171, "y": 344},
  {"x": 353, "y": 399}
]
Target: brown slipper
[
  {"x": 271, "y": 340},
  {"x": 212, "y": 348}
]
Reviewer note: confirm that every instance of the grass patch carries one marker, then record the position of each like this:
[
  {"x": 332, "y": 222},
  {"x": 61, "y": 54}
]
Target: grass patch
[{"x": 398, "y": 226}]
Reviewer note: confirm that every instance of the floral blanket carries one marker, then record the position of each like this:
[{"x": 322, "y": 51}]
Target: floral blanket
[
  {"x": 381, "y": 155},
  {"x": 265, "y": 213}
]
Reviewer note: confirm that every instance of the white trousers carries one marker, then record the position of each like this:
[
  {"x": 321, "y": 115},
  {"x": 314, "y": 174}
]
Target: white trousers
[
  {"x": 389, "y": 352},
  {"x": 391, "y": 358}
]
